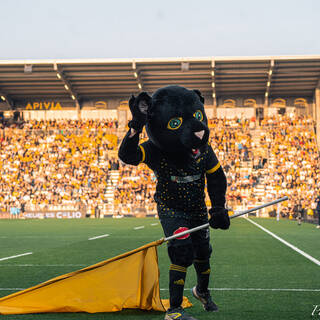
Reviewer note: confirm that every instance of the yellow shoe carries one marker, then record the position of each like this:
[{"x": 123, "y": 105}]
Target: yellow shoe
[{"x": 177, "y": 314}]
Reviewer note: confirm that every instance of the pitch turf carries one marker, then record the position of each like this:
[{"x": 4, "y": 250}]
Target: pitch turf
[{"x": 247, "y": 263}]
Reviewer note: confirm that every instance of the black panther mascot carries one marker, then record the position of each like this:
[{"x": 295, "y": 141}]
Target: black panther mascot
[{"x": 179, "y": 155}]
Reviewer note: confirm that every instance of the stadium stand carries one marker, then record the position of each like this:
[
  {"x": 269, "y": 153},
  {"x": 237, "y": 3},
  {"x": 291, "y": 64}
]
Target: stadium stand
[
  {"x": 262, "y": 162},
  {"x": 60, "y": 165},
  {"x": 71, "y": 164},
  {"x": 56, "y": 165}
]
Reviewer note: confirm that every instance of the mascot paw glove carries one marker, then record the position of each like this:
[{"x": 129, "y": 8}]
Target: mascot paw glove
[
  {"x": 219, "y": 218},
  {"x": 138, "y": 107}
]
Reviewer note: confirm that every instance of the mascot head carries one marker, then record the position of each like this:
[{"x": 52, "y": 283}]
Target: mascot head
[{"x": 176, "y": 121}]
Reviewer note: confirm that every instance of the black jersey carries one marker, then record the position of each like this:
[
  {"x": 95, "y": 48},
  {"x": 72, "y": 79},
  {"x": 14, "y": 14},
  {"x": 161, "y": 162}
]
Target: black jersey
[{"x": 179, "y": 191}]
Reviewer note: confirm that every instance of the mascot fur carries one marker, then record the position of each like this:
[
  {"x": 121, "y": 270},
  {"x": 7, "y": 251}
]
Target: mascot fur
[{"x": 182, "y": 160}]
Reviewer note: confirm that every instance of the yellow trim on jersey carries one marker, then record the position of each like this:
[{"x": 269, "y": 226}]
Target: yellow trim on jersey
[
  {"x": 143, "y": 153},
  {"x": 214, "y": 169}
]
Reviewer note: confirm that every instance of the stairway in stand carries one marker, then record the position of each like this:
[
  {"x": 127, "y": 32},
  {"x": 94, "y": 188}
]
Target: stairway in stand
[
  {"x": 260, "y": 190},
  {"x": 111, "y": 185}
]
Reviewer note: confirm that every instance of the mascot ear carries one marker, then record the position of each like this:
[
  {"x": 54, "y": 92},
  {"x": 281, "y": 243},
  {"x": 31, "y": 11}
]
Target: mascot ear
[
  {"x": 200, "y": 95},
  {"x": 143, "y": 101}
]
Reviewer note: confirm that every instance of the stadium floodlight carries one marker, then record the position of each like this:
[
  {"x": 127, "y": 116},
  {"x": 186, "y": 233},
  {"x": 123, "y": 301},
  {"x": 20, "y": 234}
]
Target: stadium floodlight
[
  {"x": 135, "y": 75},
  {"x": 268, "y": 84},
  {"x": 213, "y": 95},
  {"x": 139, "y": 86},
  {"x": 213, "y": 85},
  {"x": 3, "y": 98},
  {"x": 58, "y": 75},
  {"x": 66, "y": 87},
  {"x": 212, "y": 73},
  {"x": 266, "y": 94},
  {"x": 270, "y": 72}
]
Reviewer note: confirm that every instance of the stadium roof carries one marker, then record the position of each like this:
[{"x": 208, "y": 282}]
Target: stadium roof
[{"x": 214, "y": 76}]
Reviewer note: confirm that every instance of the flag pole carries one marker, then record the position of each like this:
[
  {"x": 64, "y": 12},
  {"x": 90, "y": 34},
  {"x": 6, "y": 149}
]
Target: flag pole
[{"x": 241, "y": 213}]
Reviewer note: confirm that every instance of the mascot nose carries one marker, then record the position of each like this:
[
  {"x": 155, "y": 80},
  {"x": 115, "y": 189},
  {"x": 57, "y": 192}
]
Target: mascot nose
[{"x": 199, "y": 134}]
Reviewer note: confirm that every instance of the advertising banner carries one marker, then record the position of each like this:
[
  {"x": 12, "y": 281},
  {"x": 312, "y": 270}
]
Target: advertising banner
[{"x": 53, "y": 214}]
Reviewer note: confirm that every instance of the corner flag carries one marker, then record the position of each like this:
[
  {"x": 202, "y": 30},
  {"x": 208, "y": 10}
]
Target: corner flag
[{"x": 130, "y": 280}]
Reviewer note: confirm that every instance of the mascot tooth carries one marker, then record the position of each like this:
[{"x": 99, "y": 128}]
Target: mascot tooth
[{"x": 183, "y": 162}]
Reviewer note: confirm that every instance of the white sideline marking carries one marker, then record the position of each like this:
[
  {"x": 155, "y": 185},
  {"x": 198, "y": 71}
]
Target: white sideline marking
[
  {"x": 216, "y": 289},
  {"x": 42, "y": 237},
  {"x": 137, "y": 228},
  {"x": 253, "y": 289},
  {"x": 317, "y": 262},
  {"x": 11, "y": 289},
  {"x": 17, "y": 256},
  {"x": 43, "y": 265},
  {"x": 153, "y": 224},
  {"x": 98, "y": 237}
]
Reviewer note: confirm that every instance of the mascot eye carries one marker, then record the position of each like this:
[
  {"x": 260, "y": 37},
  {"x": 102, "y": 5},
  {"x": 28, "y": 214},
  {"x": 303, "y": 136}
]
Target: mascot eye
[
  {"x": 174, "y": 123},
  {"x": 198, "y": 115}
]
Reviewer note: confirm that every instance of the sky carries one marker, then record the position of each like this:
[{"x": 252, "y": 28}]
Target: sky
[{"x": 78, "y": 29}]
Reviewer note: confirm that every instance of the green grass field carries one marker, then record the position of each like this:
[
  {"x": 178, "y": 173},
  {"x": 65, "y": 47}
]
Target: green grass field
[{"x": 246, "y": 264}]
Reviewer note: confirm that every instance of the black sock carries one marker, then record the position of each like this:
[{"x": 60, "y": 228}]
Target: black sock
[
  {"x": 177, "y": 277},
  {"x": 203, "y": 274}
]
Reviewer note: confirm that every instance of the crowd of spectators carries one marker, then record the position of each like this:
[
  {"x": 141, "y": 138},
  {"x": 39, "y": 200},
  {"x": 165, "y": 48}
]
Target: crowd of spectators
[
  {"x": 48, "y": 164},
  {"x": 293, "y": 167},
  {"x": 231, "y": 139},
  {"x": 283, "y": 160},
  {"x": 134, "y": 191}
]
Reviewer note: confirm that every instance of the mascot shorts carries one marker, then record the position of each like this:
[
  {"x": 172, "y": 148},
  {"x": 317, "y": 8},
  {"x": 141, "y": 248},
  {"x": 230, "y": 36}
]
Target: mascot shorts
[{"x": 195, "y": 246}]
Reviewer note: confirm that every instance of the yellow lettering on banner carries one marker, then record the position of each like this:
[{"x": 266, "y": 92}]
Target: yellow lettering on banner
[
  {"x": 58, "y": 106},
  {"x": 45, "y": 105}
]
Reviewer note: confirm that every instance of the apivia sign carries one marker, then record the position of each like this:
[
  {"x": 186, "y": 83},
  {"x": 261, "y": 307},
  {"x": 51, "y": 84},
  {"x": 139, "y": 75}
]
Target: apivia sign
[{"x": 44, "y": 105}]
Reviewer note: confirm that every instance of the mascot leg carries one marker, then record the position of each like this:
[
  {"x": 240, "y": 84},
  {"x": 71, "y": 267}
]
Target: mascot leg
[
  {"x": 202, "y": 266},
  {"x": 180, "y": 252},
  {"x": 202, "y": 252},
  {"x": 181, "y": 258}
]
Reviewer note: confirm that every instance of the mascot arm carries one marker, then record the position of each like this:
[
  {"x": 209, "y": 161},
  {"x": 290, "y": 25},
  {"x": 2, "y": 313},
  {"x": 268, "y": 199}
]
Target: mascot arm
[
  {"x": 217, "y": 187},
  {"x": 129, "y": 151},
  {"x": 216, "y": 180}
]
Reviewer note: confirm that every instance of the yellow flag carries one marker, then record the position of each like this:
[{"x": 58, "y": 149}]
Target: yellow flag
[{"x": 130, "y": 280}]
